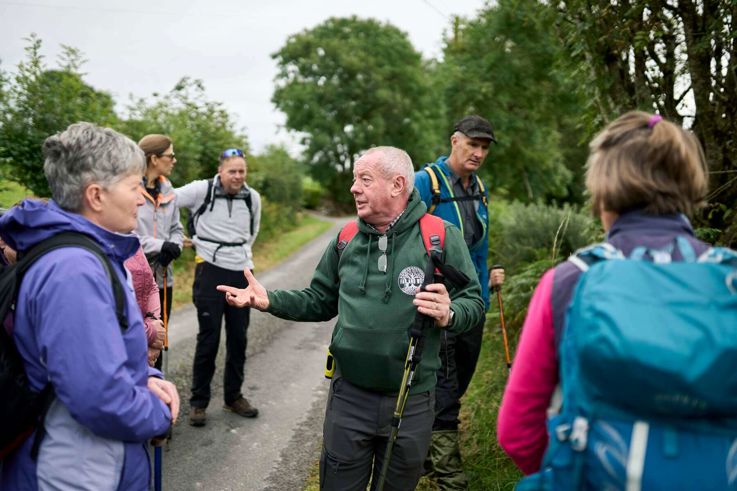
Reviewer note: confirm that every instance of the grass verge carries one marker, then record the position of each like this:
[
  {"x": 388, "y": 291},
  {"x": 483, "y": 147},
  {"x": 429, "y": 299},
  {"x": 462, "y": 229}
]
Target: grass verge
[
  {"x": 487, "y": 466},
  {"x": 266, "y": 254}
]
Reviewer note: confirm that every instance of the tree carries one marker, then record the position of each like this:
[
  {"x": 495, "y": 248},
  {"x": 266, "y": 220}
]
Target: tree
[
  {"x": 200, "y": 129},
  {"x": 37, "y": 102},
  {"x": 350, "y": 84},
  {"x": 676, "y": 57},
  {"x": 505, "y": 65},
  {"x": 277, "y": 176}
]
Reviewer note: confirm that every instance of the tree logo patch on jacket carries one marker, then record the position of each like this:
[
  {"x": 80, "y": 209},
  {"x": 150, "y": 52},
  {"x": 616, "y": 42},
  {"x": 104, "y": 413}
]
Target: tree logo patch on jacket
[{"x": 410, "y": 280}]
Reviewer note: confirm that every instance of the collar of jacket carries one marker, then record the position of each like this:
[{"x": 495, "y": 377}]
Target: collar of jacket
[
  {"x": 32, "y": 221},
  {"x": 166, "y": 192}
]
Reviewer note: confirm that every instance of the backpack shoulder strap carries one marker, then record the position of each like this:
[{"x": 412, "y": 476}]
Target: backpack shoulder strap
[
  {"x": 247, "y": 199},
  {"x": 432, "y": 229},
  {"x": 192, "y": 222},
  {"x": 482, "y": 190},
  {"x": 434, "y": 186},
  {"x": 75, "y": 239},
  {"x": 209, "y": 197},
  {"x": 584, "y": 258},
  {"x": 345, "y": 235}
]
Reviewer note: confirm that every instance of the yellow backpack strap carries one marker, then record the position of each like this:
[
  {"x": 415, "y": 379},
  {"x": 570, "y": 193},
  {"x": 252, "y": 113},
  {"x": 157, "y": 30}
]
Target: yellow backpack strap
[
  {"x": 435, "y": 188},
  {"x": 482, "y": 190}
]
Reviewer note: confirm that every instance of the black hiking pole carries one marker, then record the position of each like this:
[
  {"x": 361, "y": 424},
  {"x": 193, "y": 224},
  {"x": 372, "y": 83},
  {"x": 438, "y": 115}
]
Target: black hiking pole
[
  {"x": 414, "y": 350},
  {"x": 498, "y": 289}
]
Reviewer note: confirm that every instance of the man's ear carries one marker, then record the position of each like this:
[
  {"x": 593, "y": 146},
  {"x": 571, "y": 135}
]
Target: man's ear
[
  {"x": 399, "y": 185},
  {"x": 92, "y": 198}
]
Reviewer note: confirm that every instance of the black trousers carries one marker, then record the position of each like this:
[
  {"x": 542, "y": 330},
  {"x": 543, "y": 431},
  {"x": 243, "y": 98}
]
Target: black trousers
[
  {"x": 211, "y": 307},
  {"x": 167, "y": 304},
  {"x": 459, "y": 354},
  {"x": 356, "y": 429}
]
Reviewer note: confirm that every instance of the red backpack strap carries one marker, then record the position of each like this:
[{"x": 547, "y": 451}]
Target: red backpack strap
[
  {"x": 346, "y": 234},
  {"x": 430, "y": 226}
]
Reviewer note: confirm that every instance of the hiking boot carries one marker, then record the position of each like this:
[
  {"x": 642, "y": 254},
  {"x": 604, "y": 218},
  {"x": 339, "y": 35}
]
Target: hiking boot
[
  {"x": 197, "y": 416},
  {"x": 241, "y": 407}
]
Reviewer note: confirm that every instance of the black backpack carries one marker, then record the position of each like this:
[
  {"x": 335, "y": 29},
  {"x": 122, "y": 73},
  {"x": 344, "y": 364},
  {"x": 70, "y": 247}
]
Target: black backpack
[
  {"x": 210, "y": 200},
  {"x": 22, "y": 409}
]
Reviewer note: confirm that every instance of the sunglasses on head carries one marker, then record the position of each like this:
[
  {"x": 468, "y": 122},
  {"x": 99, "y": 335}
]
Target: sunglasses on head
[{"x": 232, "y": 152}]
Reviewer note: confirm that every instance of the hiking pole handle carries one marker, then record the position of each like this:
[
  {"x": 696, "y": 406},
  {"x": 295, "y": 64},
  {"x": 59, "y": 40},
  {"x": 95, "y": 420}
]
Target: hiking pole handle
[{"x": 496, "y": 288}]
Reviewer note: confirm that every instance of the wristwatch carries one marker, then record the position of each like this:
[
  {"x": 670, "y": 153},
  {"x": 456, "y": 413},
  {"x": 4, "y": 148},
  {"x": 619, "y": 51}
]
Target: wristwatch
[{"x": 450, "y": 319}]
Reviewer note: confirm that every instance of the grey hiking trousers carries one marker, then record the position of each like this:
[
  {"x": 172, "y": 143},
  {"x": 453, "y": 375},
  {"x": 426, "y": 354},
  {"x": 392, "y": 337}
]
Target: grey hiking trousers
[{"x": 355, "y": 433}]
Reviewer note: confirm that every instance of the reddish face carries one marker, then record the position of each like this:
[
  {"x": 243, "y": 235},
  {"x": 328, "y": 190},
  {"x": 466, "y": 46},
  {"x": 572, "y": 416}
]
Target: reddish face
[
  {"x": 373, "y": 192},
  {"x": 232, "y": 174}
]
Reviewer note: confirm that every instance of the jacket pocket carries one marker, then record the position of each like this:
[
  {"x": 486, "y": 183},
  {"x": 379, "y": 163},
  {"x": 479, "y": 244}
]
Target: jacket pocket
[{"x": 372, "y": 359}]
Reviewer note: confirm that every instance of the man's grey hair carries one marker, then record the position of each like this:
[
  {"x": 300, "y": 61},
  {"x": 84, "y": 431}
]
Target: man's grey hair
[
  {"x": 395, "y": 161},
  {"x": 84, "y": 154}
]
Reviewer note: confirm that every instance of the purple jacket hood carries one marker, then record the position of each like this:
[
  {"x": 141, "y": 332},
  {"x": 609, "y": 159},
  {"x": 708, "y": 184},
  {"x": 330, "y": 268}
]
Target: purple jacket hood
[{"x": 32, "y": 221}]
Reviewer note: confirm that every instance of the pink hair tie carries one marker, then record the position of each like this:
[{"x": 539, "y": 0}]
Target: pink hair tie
[{"x": 654, "y": 119}]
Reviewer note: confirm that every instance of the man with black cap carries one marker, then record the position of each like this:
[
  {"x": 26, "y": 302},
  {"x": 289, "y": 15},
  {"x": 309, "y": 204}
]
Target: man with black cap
[{"x": 452, "y": 190}]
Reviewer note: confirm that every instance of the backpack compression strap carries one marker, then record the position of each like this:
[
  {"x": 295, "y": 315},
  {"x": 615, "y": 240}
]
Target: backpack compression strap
[{"x": 435, "y": 187}]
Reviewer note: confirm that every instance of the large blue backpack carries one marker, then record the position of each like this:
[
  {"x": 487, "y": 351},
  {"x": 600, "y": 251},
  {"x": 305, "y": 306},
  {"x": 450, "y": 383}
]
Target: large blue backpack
[{"x": 648, "y": 374}]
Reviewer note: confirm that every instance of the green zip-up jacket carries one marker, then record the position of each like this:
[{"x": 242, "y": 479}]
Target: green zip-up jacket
[{"x": 374, "y": 308}]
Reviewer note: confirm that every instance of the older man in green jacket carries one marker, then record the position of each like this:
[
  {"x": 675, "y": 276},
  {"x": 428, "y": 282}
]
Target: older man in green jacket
[{"x": 370, "y": 282}]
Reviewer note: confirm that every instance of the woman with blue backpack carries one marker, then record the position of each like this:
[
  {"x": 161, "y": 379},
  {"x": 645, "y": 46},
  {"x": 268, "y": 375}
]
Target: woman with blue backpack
[{"x": 625, "y": 372}]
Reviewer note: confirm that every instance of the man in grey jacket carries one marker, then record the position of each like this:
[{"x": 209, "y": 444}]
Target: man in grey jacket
[{"x": 227, "y": 216}]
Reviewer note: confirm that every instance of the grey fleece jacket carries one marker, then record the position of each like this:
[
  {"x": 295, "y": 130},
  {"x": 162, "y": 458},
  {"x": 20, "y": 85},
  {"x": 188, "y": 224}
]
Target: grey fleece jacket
[
  {"x": 225, "y": 221},
  {"x": 158, "y": 221}
]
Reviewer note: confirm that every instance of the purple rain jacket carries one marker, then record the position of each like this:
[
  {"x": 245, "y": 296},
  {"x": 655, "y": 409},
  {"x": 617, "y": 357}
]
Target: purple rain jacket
[{"x": 67, "y": 333}]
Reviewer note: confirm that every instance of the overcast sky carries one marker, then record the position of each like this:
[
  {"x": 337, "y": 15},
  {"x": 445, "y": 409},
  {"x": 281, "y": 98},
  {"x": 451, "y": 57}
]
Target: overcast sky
[{"x": 139, "y": 47}]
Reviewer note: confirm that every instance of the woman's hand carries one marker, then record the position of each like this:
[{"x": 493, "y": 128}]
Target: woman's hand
[{"x": 167, "y": 392}]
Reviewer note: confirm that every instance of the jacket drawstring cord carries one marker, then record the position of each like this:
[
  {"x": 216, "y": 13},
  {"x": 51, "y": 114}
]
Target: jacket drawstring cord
[
  {"x": 390, "y": 273},
  {"x": 362, "y": 286}
]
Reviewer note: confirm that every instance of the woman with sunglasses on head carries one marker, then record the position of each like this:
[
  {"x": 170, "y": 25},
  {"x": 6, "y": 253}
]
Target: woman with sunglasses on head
[{"x": 158, "y": 228}]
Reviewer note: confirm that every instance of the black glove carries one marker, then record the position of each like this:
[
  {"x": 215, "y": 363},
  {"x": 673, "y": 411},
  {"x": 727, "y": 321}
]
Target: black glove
[{"x": 169, "y": 252}]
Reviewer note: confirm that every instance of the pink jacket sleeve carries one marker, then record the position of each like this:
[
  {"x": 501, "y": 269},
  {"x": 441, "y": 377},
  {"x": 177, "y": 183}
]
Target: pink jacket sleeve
[
  {"x": 522, "y": 418},
  {"x": 147, "y": 292}
]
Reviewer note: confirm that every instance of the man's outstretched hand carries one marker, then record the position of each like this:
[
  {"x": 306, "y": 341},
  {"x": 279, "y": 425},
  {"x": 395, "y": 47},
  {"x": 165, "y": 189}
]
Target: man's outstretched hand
[{"x": 254, "y": 295}]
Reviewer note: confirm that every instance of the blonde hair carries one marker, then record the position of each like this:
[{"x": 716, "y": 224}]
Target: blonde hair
[{"x": 641, "y": 161}]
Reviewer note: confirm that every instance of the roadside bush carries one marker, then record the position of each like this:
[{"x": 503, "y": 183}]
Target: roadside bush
[
  {"x": 523, "y": 234},
  {"x": 277, "y": 176},
  {"x": 276, "y": 218},
  {"x": 312, "y": 193}
]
